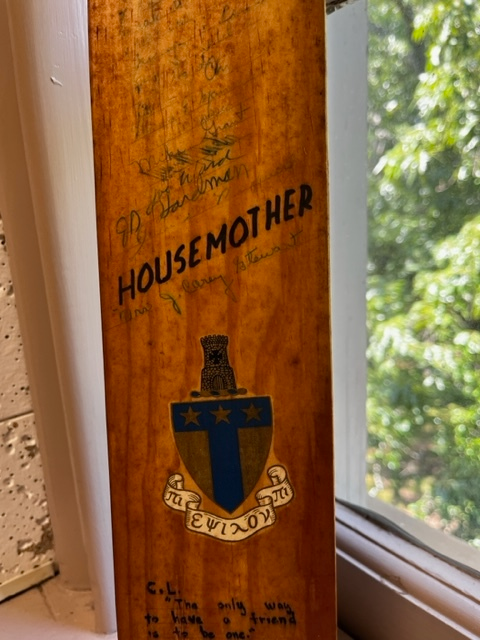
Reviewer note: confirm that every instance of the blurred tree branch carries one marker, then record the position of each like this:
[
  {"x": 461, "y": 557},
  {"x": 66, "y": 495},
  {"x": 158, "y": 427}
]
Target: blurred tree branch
[{"x": 333, "y": 5}]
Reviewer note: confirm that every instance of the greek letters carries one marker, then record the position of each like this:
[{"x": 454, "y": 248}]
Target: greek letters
[{"x": 278, "y": 494}]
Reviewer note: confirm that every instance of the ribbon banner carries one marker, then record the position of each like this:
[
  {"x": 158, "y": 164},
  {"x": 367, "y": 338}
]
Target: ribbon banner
[{"x": 270, "y": 498}]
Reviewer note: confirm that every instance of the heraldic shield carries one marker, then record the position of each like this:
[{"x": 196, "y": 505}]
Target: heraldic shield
[{"x": 223, "y": 440}]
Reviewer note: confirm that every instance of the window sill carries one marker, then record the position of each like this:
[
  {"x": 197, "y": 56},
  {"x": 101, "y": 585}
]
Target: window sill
[
  {"x": 391, "y": 588},
  {"x": 387, "y": 588}
]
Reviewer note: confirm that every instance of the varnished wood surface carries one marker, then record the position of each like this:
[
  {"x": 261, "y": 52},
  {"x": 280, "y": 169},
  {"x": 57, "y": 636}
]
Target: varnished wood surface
[{"x": 211, "y": 179}]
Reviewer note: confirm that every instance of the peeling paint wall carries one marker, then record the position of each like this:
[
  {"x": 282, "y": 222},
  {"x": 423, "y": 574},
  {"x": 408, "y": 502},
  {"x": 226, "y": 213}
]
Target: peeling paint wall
[{"x": 26, "y": 541}]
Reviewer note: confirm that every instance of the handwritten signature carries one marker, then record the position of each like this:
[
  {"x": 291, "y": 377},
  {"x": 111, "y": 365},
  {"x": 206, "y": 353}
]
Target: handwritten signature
[
  {"x": 164, "y": 203},
  {"x": 253, "y": 256},
  {"x": 192, "y": 286},
  {"x": 169, "y": 298},
  {"x": 130, "y": 228}
]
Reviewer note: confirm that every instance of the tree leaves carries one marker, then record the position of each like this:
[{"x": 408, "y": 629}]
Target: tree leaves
[{"x": 424, "y": 260}]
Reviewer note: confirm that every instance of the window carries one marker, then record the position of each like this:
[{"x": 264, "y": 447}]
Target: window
[
  {"x": 422, "y": 286},
  {"x": 383, "y": 565}
]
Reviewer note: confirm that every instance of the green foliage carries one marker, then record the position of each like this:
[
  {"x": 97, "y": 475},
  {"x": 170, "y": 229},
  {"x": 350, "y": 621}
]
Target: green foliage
[{"x": 424, "y": 260}]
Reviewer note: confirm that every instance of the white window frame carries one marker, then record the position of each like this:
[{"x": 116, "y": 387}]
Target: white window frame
[
  {"x": 388, "y": 587},
  {"x": 390, "y": 584},
  {"x": 48, "y": 208}
]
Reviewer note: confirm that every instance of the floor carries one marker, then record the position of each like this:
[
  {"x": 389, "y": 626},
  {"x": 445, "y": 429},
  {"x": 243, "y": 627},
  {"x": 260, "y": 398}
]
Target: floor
[
  {"x": 52, "y": 612},
  {"x": 49, "y": 612}
]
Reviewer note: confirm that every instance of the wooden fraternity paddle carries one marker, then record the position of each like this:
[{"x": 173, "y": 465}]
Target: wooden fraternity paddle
[{"x": 211, "y": 179}]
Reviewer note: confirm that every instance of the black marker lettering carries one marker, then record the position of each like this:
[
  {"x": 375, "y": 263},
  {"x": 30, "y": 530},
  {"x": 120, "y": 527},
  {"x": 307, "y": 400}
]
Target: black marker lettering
[
  {"x": 191, "y": 254},
  {"x": 151, "y": 587},
  {"x": 272, "y": 214},
  {"x": 168, "y": 275},
  {"x": 180, "y": 259},
  {"x": 306, "y": 194},
  {"x": 220, "y": 240},
  {"x": 130, "y": 287},
  {"x": 254, "y": 213},
  {"x": 231, "y": 236},
  {"x": 287, "y": 205},
  {"x": 143, "y": 286},
  {"x": 192, "y": 261}
]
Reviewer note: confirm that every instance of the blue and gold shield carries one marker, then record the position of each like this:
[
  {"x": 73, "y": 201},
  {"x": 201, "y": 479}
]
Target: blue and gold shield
[{"x": 224, "y": 443}]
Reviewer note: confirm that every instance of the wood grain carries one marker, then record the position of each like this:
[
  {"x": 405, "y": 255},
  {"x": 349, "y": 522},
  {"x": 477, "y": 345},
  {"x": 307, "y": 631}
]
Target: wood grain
[{"x": 211, "y": 180}]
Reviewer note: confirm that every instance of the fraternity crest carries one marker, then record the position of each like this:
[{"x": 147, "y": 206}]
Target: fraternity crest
[{"x": 224, "y": 436}]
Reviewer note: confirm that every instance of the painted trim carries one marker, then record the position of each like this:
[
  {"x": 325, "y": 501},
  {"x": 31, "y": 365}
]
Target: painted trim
[
  {"x": 27, "y": 580},
  {"x": 51, "y": 65},
  {"x": 347, "y": 139},
  {"x": 34, "y": 319},
  {"x": 457, "y": 551},
  {"x": 397, "y": 582}
]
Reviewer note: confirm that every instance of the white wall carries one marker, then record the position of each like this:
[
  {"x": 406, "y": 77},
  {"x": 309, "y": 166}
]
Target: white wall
[
  {"x": 47, "y": 198},
  {"x": 26, "y": 540}
]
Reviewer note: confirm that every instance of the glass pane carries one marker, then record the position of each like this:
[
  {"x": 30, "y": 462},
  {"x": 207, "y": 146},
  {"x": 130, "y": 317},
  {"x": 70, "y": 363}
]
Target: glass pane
[{"x": 424, "y": 261}]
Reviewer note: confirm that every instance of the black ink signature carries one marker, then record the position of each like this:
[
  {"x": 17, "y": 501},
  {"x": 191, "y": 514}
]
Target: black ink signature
[
  {"x": 192, "y": 286},
  {"x": 211, "y": 67},
  {"x": 169, "y": 298},
  {"x": 131, "y": 228},
  {"x": 127, "y": 315},
  {"x": 164, "y": 203},
  {"x": 253, "y": 257},
  {"x": 175, "y": 161},
  {"x": 229, "y": 13},
  {"x": 210, "y": 126}
]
